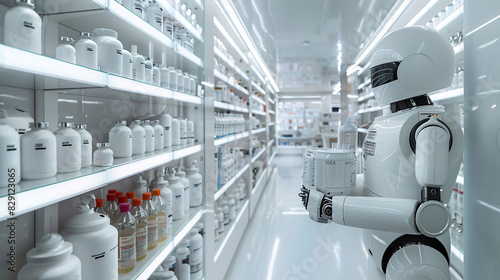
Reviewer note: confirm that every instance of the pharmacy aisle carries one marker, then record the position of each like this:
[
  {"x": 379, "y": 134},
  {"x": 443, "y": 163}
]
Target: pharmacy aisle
[{"x": 282, "y": 243}]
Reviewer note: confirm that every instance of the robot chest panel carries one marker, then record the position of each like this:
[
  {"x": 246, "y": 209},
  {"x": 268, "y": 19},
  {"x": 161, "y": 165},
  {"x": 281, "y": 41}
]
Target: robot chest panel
[{"x": 389, "y": 164}]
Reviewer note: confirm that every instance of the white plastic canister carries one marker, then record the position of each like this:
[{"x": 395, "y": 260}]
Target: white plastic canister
[{"x": 110, "y": 50}]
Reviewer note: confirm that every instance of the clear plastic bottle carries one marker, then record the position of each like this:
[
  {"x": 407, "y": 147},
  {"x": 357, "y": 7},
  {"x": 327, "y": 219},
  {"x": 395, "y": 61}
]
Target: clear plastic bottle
[
  {"x": 103, "y": 156},
  {"x": 125, "y": 224},
  {"x": 65, "y": 51},
  {"x": 149, "y": 134},
  {"x": 158, "y": 131},
  {"x": 111, "y": 207},
  {"x": 130, "y": 197},
  {"x": 152, "y": 211},
  {"x": 195, "y": 185},
  {"x": 195, "y": 254},
  {"x": 120, "y": 140},
  {"x": 23, "y": 27},
  {"x": 349, "y": 134},
  {"x": 138, "y": 66},
  {"x": 138, "y": 138},
  {"x": 86, "y": 51},
  {"x": 99, "y": 204},
  {"x": 141, "y": 229},
  {"x": 173, "y": 78},
  {"x": 128, "y": 64},
  {"x": 161, "y": 206},
  {"x": 86, "y": 144},
  {"x": 156, "y": 75},
  {"x": 148, "y": 73},
  {"x": 69, "y": 148},
  {"x": 185, "y": 181},
  {"x": 154, "y": 15}
]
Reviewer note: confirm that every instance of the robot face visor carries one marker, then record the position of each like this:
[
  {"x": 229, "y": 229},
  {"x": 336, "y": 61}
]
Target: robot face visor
[{"x": 384, "y": 73}]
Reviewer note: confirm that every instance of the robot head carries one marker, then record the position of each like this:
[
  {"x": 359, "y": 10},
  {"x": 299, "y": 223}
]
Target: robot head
[{"x": 410, "y": 62}]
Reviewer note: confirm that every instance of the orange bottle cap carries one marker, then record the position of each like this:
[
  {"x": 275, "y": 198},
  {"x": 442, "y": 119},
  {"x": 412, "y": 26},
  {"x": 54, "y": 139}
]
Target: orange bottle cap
[
  {"x": 136, "y": 202},
  {"x": 112, "y": 191},
  {"x": 156, "y": 192},
  {"x": 146, "y": 196},
  {"x": 99, "y": 202},
  {"x": 122, "y": 199},
  {"x": 130, "y": 195},
  {"x": 111, "y": 197}
]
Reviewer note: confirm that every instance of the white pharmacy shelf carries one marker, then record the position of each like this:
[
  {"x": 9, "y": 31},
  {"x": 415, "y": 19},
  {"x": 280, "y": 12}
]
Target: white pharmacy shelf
[
  {"x": 258, "y": 99},
  {"x": 231, "y": 138},
  {"x": 226, "y": 186},
  {"x": 365, "y": 83},
  {"x": 271, "y": 101},
  {"x": 452, "y": 23},
  {"x": 228, "y": 241},
  {"x": 144, "y": 268},
  {"x": 231, "y": 64},
  {"x": 271, "y": 124},
  {"x": 221, "y": 105},
  {"x": 226, "y": 80},
  {"x": 167, "y": 7},
  {"x": 366, "y": 96},
  {"x": 270, "y": 143},
  {"x": 260, "y": 130},
  {"x": 271, "y": 111},
  {"x": 257, "y": 191},
  {"x": 230, "y": 40},
  {"x": 458, "y": 92},
  {"x": 48, "y": 191},
  {"x": 259, "y": 113},
  {"x": 256, "y": 87},
  {"x": 258, "y": 155},
  {"x": 190, "y": 56},
  {"x": 270, "y": 161},
  {"x": 363, "y": 130},
  {"x": 457, "y": 259},
  {"x": 370, "y": 110}
]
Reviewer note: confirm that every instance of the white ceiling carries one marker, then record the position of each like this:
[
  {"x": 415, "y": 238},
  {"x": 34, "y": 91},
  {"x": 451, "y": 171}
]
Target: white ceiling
[{"x": 280, "y": 27}]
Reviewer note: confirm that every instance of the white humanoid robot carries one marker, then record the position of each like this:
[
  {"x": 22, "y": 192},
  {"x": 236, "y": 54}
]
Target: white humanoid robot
[{"x": 411, "y": 161}]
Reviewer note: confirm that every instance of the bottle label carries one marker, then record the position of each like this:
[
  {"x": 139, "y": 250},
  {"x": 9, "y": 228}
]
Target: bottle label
[
  {"x": 197, "y": 185},
  {"x": 29, "y": 25},
  {"x": 126, "y": 254},
  {"x": 141, "y": 241},
  {"x": 196, "y": 259},
  {"x": 118, "y": 52},
  {"x": 89, "y": 49},
  {"x": 39, "y": 146},
  {"x": 86, "y": 142},
  {"x": 11, "y": 148},
  {"x": 66, "y": 144},
  {"x": 152, "y": 231},
  {"x": 162, "y": 224}
]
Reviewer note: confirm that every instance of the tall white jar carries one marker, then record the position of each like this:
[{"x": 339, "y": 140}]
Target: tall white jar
[
  {"x": 127, "y": 64},
  {"x": 138, "y": 138},
  {"x": 23, "y": 27},
  {"x": 10, "y": 153},
  {"x": 51, "y": 259},
  {"x": 69, "y": 148},
  {"x": 120, "y": 140},
  {"x": 87, "y": 51},
  {"x": 110, "y": 55},
  {"x": 159, "y": 132},
  {"x": 86, "y": 144},
  {"x": 38, "y": 152},
  {"x": 176, "y": 132}
]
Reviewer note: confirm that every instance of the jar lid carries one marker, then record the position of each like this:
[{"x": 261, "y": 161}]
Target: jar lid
[
  {"x": 156, "y": 122},
  {"x": 86, "y": 35},
  {"x": 39, "y": 125},
  {"x": 172, "y": 179},
  {"x": 80, "y": 126},
  {"x": 136, "y": 122},
  {"x": 65, "y": 124},
  {"x": 86, "y": 220},
  {"x": 65, "y": 39},
  {"x": 50, "y": 248},
  {"x": 146, "y": 122},
  {"x": 121, "y": 122},
  {"x": 27, "y": 2},
  {"x": 156, "y": 65},
  {"x": 105, "y": 32},
  {"x": 99, "y": 145}
]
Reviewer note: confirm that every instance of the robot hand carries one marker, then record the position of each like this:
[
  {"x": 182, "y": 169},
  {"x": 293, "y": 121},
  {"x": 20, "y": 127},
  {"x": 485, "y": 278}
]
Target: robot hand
[{"x": 317, "y": 204}]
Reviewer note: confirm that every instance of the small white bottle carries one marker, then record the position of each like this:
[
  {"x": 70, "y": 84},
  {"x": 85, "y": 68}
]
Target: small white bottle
[
  {"x": 180, "y": 81},
  {"x": 52, "y": 258},
  {"x": 168, "y": 26},
  {"x": 23, "y": 27},
  {"x": 173, "y": 78},
  {"x": 128, "y": 64},
  {"x": 138, "y": 138},
  {"x": 183, "y": 131},
  {"x": 166, "y": 123},
  {"x": 110, "y": 54},
  {"x": 103, "y": 156},
  {"x": 192, "y": 85},
  {"x": 169, "y": 263},
  {"x": 10, "y": 153},
  {"x": 177, "y": 189},
  {"x": 165, "y": 77},
  {"x": 38, "y": 152},
  {"x": 65, "y": 51},
  {"x": 86, "y": 144},
  {"x": 182, "y": 268},
  {"x": 166, "y": 194},
  {"x": 69, "y": 148},
  {"x": 120, "y": 140},
  {"x": 231, "y": 203},
  {"x": 176, "y": 133},
  {"x": 195, "y": 185},
  {"x": 154, "y": 15},
  {"x": 185, "y": 182},
  {"x": 148, "y": 73},
  {"x": 158, "y": 130},
  {"x": 190, "y": 133},
  {"x": 185, "y": 79},
  {"x": 149, "y": 133},
  {"x": 156, "y": 75},
  {"x": 195, "y": 254},
  {"x": 86, "y": 51},
  {"x": 139, "y": 65},
  {"x": 349, "y": 134}
]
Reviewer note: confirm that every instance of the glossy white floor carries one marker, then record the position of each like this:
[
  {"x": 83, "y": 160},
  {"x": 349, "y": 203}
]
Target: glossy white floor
[{"x": 282, "y": 243}]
